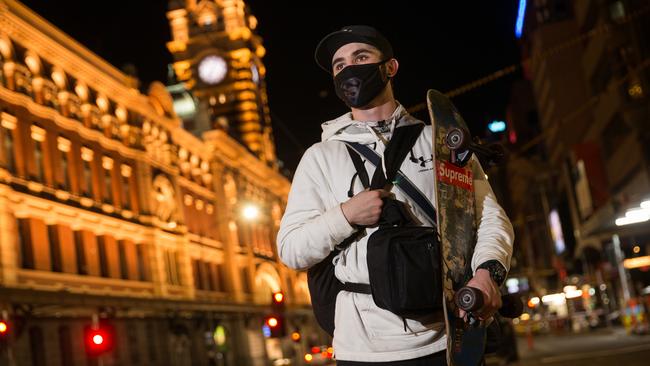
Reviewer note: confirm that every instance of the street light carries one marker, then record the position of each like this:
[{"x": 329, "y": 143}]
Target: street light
[
  {"x": 250, "y": 212},
  {"x": 635, "y": 215}
]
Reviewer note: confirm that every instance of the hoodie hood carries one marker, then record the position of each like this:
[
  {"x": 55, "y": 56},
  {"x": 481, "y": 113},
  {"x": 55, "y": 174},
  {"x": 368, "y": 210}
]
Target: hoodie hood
[{"x": 345, "y": 128}]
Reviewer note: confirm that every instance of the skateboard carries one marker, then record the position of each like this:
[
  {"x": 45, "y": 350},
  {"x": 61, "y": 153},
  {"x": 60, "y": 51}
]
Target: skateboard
[
  {"x": 452, "y": 150},
  {"x": 456, "y": 228}
]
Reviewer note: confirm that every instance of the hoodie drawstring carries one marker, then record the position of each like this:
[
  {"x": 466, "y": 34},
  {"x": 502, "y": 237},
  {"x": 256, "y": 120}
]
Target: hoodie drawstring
[
  {"x": 351, "y": 190},
  {"x": 412, "y": 158}
]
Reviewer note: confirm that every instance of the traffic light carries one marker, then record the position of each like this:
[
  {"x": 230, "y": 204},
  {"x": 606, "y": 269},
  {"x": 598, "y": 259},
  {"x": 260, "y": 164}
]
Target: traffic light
[
  {"x": 497, "y": 126},
  {"x": 4, "y": 328},
  {"x": 4, "y": 334},
  {"x": 274, "y": 326},
  {"x": 497, "y": 131},
  {"x": 296, "y": 336},
  {"x": 277, "y": 302},
  {"x": 98, "y": 339}
]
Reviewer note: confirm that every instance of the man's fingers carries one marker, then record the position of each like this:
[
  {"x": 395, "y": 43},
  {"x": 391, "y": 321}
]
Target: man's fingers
[
  {"x": 461, "y": 313},
  {"x": 383, "y": 193}
]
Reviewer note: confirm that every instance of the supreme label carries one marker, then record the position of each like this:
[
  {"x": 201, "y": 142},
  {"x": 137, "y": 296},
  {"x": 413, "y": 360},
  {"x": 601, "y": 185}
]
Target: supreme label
[{"x": 451, "y": 174}]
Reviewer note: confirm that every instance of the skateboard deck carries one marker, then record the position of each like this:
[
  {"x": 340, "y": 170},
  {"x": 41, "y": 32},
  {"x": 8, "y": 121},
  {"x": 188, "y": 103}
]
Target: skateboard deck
[{"x": 456, "y": 227}]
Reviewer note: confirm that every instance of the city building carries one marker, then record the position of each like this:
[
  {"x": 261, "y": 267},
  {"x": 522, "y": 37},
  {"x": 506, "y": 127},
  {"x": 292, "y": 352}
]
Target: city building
[
  {"x": 150, "y": 218},
  {"x": 582, "y": 147}
]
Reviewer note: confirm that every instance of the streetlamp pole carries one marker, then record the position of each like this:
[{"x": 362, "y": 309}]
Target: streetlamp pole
[{"x": 622, "y": 273}]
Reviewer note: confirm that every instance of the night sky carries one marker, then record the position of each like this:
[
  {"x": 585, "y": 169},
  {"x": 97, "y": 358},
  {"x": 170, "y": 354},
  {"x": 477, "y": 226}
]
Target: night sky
[{"x": 442, "y": 48}]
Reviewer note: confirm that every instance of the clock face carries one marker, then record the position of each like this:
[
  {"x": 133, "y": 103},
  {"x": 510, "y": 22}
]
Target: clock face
[
  {"x": 212, "y": 69},
  {"x": 255, "y": 73}
]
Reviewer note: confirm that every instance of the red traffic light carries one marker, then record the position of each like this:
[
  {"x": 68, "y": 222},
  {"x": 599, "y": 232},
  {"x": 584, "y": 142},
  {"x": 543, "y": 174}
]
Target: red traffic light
[
  {"x": 98, "y": 340},
  {"x": 272, "y": 321},
  {"x": 278, "y": 297},
  {"x": 4, "y": 328},
  {"x": 276, "y": 326}
]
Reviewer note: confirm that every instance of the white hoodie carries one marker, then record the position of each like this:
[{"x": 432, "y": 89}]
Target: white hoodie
[{"x": 313, "y": 223}]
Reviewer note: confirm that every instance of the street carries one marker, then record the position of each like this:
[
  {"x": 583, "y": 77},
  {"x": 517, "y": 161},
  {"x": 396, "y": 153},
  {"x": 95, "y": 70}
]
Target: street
[{"x": 600, "y": 347}]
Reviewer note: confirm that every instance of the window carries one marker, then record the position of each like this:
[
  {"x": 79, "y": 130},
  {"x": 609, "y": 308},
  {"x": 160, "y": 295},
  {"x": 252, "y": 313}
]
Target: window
[
  {"x": 108, "y": 188},
  {"x": 245, "y": 280},
  {"x": 140, "y": 258},
  {"x": 88, "y": 179},
  {"x": 221, "y": 278},
  {"x": 197, "y": 274},
  {"x": 172, "y": 268},
  {"x": 210, "y": 279},
  {"x": 8, "y": 127},
  {"x": 87, "y": 158},
  {"x": 103, "y": 260},
  {"x": 210, "y": 271},
  {"x": 25, "y": 244},
  {"x": 107, "y": 164},
  {"x": 124, "y": 269},
  {"x": 38, "y": 161},
  {"x": 38, "y": 135},
  {"x": 63, "y": 145},
  {"x": 55, "y": 248},
  {"x": 65, "y": 170},
  {"x": 80, "y": 252},
  {"x": 126, "y": 187},
  {"x": 210, "y": 217},
  {"x": 10, "y": 159}
]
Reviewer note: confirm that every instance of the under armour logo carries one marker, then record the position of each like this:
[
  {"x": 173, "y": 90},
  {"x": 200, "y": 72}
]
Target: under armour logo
[{"x": 423, "y": 161}]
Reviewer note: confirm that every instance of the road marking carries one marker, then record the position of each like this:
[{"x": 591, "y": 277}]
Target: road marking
[{"x": 594, "y": 354}]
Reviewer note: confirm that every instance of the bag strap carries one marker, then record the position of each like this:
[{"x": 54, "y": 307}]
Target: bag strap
[
  {"x": 396, "y": 176},
  {"x": 399, "y": 145},
  {"x": 361, "y": 170}
]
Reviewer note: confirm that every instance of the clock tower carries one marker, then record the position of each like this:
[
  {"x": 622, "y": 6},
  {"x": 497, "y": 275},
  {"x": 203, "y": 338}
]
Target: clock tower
[{"x": 218, "y": 60}]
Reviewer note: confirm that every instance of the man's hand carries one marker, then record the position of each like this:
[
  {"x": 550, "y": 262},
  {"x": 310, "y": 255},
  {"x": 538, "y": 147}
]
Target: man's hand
[
  {"x": 364, "y": 208},
  {"x": 491, "y": 294}
]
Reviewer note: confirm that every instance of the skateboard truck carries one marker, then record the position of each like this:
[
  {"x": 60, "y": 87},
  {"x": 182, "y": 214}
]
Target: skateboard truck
[{"x": 458, "y": 140}]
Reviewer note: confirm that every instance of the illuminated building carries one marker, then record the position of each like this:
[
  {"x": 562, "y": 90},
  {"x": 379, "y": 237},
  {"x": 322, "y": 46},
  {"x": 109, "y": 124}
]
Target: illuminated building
[
  {"x": 111, "y": 210},
  {"x": 217, "y": 56},
  {"x": 587, "y": 73}
]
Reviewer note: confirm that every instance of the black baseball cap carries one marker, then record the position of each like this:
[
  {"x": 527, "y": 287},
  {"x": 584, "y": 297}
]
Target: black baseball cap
[{"x": 350, "y": 34}]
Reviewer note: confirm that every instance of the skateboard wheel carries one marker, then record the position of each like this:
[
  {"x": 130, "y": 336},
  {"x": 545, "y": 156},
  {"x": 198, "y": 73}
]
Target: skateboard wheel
[
  {"x": 469, "y": 299},
  {"x": 457, "y": 139}
]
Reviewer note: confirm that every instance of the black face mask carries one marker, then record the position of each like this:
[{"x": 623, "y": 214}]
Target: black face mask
[{"x": 358, "y": 85}]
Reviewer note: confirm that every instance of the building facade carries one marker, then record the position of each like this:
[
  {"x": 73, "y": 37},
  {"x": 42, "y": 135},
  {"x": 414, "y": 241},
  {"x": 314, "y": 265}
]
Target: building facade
[{"x": 111, "y": 212}]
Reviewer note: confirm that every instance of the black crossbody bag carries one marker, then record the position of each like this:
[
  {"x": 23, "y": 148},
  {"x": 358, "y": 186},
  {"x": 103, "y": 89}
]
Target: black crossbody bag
[{"x": 403, "y": 258}]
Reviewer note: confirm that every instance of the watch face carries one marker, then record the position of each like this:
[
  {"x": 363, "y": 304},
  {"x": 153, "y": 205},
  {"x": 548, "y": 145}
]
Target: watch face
[{"x": 212, "y": 69}]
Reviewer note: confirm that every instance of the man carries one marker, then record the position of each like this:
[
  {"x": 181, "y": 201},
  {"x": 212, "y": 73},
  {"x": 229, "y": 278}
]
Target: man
[{"x": 320, "y": 213}]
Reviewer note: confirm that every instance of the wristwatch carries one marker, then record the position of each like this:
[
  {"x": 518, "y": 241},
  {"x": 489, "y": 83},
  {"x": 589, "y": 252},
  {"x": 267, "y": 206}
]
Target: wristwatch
[{"x": 498, "y": 273}]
